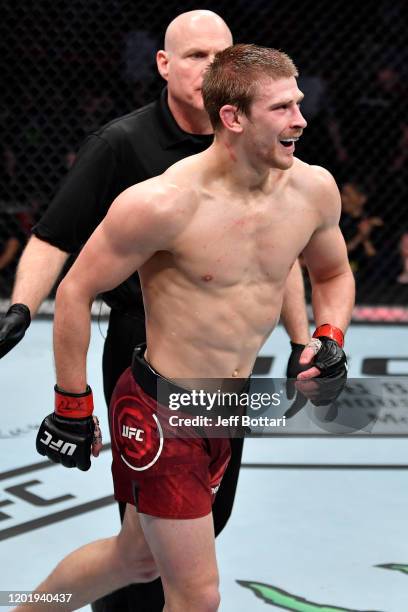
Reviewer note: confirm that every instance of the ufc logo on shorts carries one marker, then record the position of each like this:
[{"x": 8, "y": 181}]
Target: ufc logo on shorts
[
  {"x": 65, "y": 448},
  {"x": 132, "y": 432}
]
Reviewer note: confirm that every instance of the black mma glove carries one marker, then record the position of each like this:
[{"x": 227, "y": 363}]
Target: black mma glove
[
  {"x": 67, "y": 435},
  {"x": 331, "y": 360},
  {"x": 13, "y": 326},
  {"x": 294, "y": 368}
]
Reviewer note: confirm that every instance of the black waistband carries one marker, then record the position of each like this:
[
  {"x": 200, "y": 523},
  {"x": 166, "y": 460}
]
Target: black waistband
[
  {"x": 147, "y": 377},
  {"x": 158, "y": 387}
]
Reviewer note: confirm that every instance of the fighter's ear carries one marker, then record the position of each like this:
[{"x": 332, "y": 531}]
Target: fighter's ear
[
  {"x": 162, "y": 61},
  {"x": 231, "y": 118}
]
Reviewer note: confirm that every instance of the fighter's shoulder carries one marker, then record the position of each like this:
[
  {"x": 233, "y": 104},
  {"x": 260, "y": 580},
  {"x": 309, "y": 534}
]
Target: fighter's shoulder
[
  {"x": 158, "y": 205},
  {"x": 319, "y": 185},
  {"x": 314, "y": 178}
]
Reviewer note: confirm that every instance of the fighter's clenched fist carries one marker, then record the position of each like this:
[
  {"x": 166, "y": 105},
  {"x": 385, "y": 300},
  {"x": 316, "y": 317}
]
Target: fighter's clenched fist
[
  {"x": 69, "y": 434},
  {"x": 328, "y": 363}
]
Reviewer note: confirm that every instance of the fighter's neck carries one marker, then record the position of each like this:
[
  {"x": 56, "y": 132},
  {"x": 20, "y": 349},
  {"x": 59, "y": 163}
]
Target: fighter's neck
[
  {"x": 236, "y": 169},
  {"x": 190, "y": 120}
]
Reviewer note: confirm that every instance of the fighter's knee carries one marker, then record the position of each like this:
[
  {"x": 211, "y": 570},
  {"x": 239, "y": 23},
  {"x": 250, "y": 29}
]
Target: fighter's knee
[
  {"x": 204, "y": 599},
  {"x": 210, "y": 599}
]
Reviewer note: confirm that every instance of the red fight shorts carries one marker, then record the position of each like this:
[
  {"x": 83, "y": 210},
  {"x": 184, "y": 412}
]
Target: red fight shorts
[{"x": 165, "y": 476}]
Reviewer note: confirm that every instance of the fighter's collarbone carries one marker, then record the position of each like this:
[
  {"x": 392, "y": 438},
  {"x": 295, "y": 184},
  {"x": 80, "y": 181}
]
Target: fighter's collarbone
[{"x": 246, "y": 231}]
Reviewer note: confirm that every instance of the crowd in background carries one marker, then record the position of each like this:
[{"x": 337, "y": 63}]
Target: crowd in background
[{"x": 71, "y": 73}]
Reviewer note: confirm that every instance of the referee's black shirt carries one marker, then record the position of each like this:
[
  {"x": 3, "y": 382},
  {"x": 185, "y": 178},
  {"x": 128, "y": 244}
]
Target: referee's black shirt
[{"x": 126, "y": 151}]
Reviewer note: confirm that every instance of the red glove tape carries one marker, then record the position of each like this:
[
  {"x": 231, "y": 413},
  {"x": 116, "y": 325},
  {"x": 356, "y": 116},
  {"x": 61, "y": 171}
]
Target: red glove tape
[
  {"x": 330, "y": 332},
  {"x": 73, "y": 405}
]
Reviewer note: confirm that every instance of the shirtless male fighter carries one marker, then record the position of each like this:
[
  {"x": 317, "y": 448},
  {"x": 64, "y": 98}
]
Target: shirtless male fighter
[
  {"x": 126, "y": 151},
  {"x": 214, "y": 239}
]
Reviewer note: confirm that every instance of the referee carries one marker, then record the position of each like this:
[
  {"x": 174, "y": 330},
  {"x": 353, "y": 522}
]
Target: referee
[{"x": 126, "y": 151}]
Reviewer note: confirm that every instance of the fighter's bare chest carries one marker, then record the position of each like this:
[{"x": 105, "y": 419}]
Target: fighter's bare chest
[{"x": 252, "y": 244}]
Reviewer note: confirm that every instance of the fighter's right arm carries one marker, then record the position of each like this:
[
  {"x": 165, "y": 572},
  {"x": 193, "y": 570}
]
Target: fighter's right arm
[
  {"x": 141, "y": 221},
  {"x": 138, "y": 223}
]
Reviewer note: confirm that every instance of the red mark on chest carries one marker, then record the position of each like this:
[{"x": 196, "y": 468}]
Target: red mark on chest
[{"x": 207, "y": 278}]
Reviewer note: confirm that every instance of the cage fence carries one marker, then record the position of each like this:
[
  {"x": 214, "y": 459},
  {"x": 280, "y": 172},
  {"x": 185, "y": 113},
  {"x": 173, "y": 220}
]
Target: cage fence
[{"x": 70, "y": 66}]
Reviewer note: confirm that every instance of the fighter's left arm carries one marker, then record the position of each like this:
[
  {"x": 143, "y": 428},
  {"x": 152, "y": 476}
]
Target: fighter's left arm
[{"x": 333, "y": 288}]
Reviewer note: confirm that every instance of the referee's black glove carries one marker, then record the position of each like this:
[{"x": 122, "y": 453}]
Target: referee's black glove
[{"x": 13, "y": 326}]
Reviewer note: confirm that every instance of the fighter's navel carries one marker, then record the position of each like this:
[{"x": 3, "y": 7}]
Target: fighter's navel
[{"x": 235, "y": 373}]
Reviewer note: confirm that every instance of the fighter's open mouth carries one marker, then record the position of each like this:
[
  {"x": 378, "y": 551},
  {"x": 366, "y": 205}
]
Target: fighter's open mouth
[{"x": 287, "y": 142}]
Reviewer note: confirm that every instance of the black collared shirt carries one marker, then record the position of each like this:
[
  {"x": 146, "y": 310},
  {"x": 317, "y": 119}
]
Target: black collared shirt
[{"x": 128, "y": 150}]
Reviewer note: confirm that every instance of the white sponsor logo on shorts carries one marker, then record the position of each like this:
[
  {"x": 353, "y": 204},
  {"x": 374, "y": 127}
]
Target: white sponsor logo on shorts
[
  {"x": 215, "y": 489},
  {"x": 157, "y": 455},
  {"x": 132, "y": 432}
]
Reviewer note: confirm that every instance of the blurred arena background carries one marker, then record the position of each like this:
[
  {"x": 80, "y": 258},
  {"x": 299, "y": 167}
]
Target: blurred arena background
[{"x": 70, "y": 66}]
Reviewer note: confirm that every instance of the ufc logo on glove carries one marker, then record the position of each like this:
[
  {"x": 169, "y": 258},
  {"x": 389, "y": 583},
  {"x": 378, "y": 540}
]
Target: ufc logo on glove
[
  {"x": 66, "y": 448},
  {"x": 66, "y": 435}
]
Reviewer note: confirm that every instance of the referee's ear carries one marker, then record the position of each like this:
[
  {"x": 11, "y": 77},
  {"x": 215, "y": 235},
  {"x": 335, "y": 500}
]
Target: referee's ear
[{"x": 162, "y": 61}]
